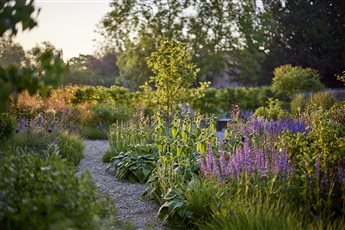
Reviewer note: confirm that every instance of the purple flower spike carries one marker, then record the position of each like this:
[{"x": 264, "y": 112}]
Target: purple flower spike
[
  {"x": 209, "y": 159},
  {"x": 215, "y": 168},
  {"x": 223, "y": 164},
  {"x": 203, "y": 167}
]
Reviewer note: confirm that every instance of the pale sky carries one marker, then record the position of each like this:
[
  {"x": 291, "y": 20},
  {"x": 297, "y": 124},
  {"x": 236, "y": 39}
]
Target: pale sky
[{"x": 68, "y": 24}]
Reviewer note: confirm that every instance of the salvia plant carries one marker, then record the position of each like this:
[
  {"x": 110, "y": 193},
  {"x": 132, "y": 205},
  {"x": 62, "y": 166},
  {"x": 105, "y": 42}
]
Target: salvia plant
[{"x": 246, "y": 159}]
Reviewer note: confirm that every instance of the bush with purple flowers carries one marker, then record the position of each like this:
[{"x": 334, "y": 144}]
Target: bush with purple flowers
[
  {"x": 306, "y": 161},
  {"x": 264, "y": 162}
]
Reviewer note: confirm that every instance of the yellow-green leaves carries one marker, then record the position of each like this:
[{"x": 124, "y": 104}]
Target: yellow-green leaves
[{"x": 174, "y": 74}]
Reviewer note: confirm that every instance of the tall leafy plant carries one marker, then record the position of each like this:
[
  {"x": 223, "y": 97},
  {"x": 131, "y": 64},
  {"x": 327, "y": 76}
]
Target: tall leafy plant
[{"x": 174, "y": 74}]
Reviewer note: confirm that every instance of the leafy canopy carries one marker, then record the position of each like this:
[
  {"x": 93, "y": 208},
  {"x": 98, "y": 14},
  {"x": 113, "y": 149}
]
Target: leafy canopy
[
  {"x": 174, "y": 74},
  {"x": 14, "y": 79},
  {"x": 293, "y": 79}
]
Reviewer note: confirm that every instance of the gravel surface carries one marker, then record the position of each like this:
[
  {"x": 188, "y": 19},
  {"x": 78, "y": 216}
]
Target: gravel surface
[{"x": 141, "y": 213}]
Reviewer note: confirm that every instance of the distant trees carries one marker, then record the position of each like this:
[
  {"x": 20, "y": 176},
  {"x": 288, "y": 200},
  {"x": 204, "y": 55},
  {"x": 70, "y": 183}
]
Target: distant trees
[
  {"x": 309, "y": 33},
  {"x": 11, "y": 53},
  {"x": 15, "y": 78},
  {"x": 99, "y": 69},
  {"x": 248, "y": 37}
]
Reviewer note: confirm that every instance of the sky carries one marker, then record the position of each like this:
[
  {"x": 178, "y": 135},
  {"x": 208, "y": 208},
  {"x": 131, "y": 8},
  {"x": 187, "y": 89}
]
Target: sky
[{"x": 68, "y": 24}]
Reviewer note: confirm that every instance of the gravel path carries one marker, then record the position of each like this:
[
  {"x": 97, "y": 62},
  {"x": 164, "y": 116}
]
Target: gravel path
[{"x": 141, "y": 213}]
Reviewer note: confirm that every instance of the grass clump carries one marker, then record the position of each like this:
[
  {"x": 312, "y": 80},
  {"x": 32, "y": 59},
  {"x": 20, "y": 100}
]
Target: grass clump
[{"x": 70, "y": 146}]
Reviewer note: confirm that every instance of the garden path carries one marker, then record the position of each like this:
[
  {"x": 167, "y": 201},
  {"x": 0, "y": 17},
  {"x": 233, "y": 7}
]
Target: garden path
[{"x": 141, "y": 213}]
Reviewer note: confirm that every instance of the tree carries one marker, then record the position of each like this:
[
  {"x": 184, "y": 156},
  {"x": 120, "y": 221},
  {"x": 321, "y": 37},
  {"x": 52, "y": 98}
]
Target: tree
[
  {"x": 174, "y": 74},
  {"x": 98, "y": 69},
  {"x": 136, "y": 26},
  {"x": 309, "y": 33},
  {"x": 14, "y": 12},
  {"x": 256, "y": 37},
  {"x": 253, "y": 29},
  {"x": 13, "y": 79},
  {"x": 132, "y": 64},
  {"x": 11, "y": 53}
]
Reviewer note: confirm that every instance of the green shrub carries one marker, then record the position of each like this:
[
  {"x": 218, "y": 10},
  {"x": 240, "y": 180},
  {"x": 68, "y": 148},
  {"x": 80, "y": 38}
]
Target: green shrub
[
  {"x": 102, "y": 94},
  {"x": 207, "y": 103},
  {"x": 273, "y": 111},
  {"x": 71, "y": 147},
  {"x": 254, "y": 218},
  {"x": 220, "y": 100},
  {"x": 43, "y": 193},
  {"x": 135, "y": 165},
  {"x": 35, "y": 142},
  {"x": 191, "y": 205},
  {"x": 92, "y": 133},
  {"x": 123, "y": 136},
  {"x": 297, "y": 104},
  {"x": 317, "y": 100},
  {"x": 312, "y": 102},
  {"x": 109, "y": 113},
  {"x": 7, "y": 126},
  {"x": 179, "y": 144},
  {"x": 87, "y": 77},
  {"x": 337, "y": 113},
  {"x": 289, "y": 80},
  {"x": 318, "y": 155}
]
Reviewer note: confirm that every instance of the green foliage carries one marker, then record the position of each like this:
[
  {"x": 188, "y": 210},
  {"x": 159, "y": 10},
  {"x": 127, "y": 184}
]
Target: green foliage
[
  {"x": 312, "y": 102},
  {"x": 134, "y": 70},
  {"x": 341, "y": 77},
  {"x": 174, "y": 74},
  {"x": 317, "y": 100},
  {"x": 289, "y": 80},
  {"x": 273, "y": 111},
  {"x": 11, "y": 53},
  {"x": 93, "y": 133},
  {"x": 136, "y": 165},
  {"x": 85, "y": 77},
  {"x": 44, "y": 194},
  {"x": 243, "y": 37},
  {"x": 7, "y": 126},
  {"x": 220, "y": 100},
  {"x": 308, "y": 34},
  {"x": 253, "y": 27},
  {"x": 135, "y": 29},
  {"x": 71, "y": 147},
  {"x": 246, "y": 203},
  {"x": 13, "y": 13},
  {"x": 101, "y": 94},
  {"x": 15, "y": 80},
  {"x": 109, "y": 113},
  {"x": 297, "y": 104},
  {"x": 178, "y": 145},
  {"x": 93, "y": 70},
  {"x": 36, "y": 142},
  {"x": 317, "y": 156},
  {"x": 190, "y": 205},
  {"x": 100, "y": 107},
  {"x": 125, "y": 135},
  {"x": 337, "y": 113},
  {"x": 148, "y": 26}
]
